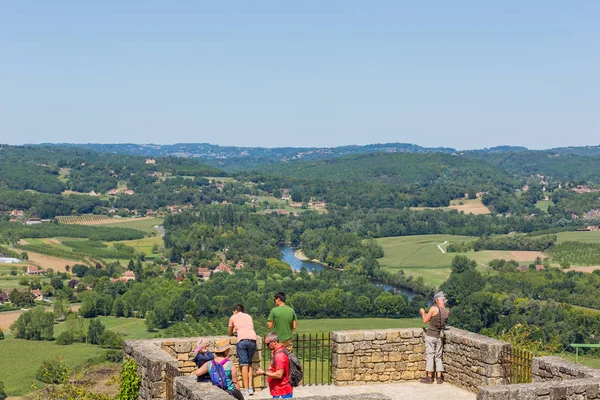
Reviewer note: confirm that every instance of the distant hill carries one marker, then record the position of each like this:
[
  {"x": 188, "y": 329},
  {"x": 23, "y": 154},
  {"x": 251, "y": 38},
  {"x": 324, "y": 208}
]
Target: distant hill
[{"x": 398, "y": 169}]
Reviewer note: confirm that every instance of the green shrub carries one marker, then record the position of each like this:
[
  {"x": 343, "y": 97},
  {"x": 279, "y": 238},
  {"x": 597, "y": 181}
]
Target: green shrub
[
  {"x": 2, "y": 392},
  {"x": 65, "y": 338},
  {"x": 115, "y": 356},
  {"x": 1, "y": 335},
  {"x": 129, "y": 388},
  {"x": 53, "y": 371},
  {"x": 110, "y": 340}
]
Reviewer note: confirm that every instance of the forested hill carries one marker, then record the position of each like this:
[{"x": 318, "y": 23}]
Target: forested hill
[
  {"x": 233, "y": 158},
  {"x": 569, "y": 166},
  {"x": 399, "y": 169},
  {"x": 52, "y": 169}
]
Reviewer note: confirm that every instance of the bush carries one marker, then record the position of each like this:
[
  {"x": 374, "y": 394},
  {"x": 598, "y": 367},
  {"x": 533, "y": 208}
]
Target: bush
[
  {"x": 2, "y": 392},
  {"x": 115, "y": 356},
  {"x": 65, "y": 338},
  {"x": 129, "y": 388},
  {"x": 1, "y": 336},
  {"x": 110, "y": 340},
  {"x": 53, "y": 371}
]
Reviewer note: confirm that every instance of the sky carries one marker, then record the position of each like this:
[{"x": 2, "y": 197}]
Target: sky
[{"x": 461, "y": 74}]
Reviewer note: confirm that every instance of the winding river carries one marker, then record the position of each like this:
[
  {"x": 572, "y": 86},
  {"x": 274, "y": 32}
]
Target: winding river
[{"x": 289, "y": 257}]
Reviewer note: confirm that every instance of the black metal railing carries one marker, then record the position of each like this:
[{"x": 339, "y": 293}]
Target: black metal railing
[
  {"x": 314, "y": 352},
  {"x": 516, "y": 365}
]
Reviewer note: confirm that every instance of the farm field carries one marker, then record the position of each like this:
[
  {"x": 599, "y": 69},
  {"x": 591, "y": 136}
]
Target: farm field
[
  {"x": 42, "y": 260},
  {"x": 26, "y": 356},
  {"x": 580, "y": 236},
  {"x": 420, "y": 256},
  {"x": 468, "y": 206},
  {"x": 8, "y": 317},
  {"x": 143, "y": 245},
  {"x": 129, "y": 328}
]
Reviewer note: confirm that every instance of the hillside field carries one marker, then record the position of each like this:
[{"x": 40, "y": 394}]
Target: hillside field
[
  {"x": 420, "y": 256},
  {"x": 467, "y": 206},
  {"x": 579, "y": 236}
]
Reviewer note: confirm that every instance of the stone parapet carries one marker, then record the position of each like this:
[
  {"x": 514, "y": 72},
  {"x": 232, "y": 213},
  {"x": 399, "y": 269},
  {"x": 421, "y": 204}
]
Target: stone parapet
[
  {"x": 556, "y": 369},
  {"x": 578, "y": 389},
  {"x": 385, "y": 355},
  {"x": 159, "y": 360},
  {"x": 472, "y": 360},
  {"x": 554, "y": 378}
]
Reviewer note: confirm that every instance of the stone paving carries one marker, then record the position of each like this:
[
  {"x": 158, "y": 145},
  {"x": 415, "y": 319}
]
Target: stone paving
[{"x": 395, "y": 391}]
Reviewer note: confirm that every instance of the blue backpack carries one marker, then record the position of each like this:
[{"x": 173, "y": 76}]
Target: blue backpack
[{"x": 217, "y": 373}]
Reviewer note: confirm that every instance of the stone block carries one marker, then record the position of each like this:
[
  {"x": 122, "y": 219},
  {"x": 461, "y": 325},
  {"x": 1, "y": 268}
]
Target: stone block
[{"x": 343, "y": 348}]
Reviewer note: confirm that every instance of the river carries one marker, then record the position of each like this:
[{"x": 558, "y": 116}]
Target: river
[{"x": 289, "y": 257}]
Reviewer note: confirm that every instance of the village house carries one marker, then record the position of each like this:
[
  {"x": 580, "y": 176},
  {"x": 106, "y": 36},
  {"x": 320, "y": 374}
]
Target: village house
[
  {"x": 239, "y": 265},
  {"x": 286, "y": 197},
  {"x": 150, "y": 161},
  {"x": 39, "y": 296},
  {"x": 204, "y": 273},
  {"x": 33, "y": 221},
  {"x": 17, "y": 213},
  {"x": 113, "y": 192},
  {"x": 540, "y": 267},
  {"x": 34, "y": 270},
  {"x": 128, "y": 276},
  {"x": 93, "y": 193},
  {"x": 223, "y": 268},
  {"x": 4, "y": 298},
  {"x": 129, "y": 192},
  {"x": 522, "y": 268}
]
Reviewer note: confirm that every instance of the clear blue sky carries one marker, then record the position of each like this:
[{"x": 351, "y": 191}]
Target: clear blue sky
[{"x": 464, "y": 74}]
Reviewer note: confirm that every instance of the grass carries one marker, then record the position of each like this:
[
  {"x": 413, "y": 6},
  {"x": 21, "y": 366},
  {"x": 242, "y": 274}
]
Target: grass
[
  {"x": 543, "y": 205},
  {"x": 25, "y": 357},
  {"x": 420, "y": 256},
  {"x": 146, "y": 225},
  {"x": 581, "y": 236},
  {"x": 129, "y": 328},
  {"x": 10, "y": 282},
  {"x": 306, "y": 326},
  {"x": 467, "y": 206},
  {"x": 143, "y": 245}
]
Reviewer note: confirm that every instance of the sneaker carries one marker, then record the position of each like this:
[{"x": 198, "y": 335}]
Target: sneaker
[
  {"x": 427, "y": 379},
  {"x": 244, "y": 392},
  {"x": 250, "y": 391}
]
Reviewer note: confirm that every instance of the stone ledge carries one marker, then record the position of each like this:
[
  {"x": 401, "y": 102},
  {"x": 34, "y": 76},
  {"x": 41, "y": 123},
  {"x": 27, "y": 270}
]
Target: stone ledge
[
  {"x": 578, "y": 389},
  {"x": 551, "y": 368}
]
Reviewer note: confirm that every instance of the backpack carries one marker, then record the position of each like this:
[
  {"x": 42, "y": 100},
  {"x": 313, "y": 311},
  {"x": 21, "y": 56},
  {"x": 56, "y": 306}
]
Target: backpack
[
  {"x": 295, "y": 367},
  {"x": 217, "y": 373}
]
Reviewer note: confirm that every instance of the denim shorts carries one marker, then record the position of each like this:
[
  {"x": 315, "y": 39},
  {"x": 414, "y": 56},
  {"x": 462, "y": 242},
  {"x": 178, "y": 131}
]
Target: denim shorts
[{"x": 245, "y": 351}]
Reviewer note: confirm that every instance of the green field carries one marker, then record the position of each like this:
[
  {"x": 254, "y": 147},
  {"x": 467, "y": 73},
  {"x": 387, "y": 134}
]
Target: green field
[
  {"x": 143, "y": 245},
  {"x": 306, "y": 326},
  {"x": 22, "y": 358},
  {"x": 146, "y": 225},
  {"x": 420, "y": 256},
  {"x": 10, "y": 282},
  {"x": 581, "y": 236},
  {"x": 129, "y": 328},
  {"x": 543, "y": 205}
]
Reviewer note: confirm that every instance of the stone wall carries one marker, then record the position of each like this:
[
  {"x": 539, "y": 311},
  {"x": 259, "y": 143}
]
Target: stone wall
[
  {"x": 554, "y": 378},
  {"x": 397, "y": 355},
  {"x": 557, "y": 369},
  {"x": 472, "y": 360},
  {"x": 159, "y": 360},
  {"x": 386, "y": 355}
]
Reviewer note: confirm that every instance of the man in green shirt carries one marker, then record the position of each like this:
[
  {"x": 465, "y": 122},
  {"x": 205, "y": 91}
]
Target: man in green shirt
[{"x": 282, "y": 320}]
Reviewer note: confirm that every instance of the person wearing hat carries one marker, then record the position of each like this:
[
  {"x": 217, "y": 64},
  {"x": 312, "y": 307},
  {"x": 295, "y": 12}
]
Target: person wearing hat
[
  {"x": 203, "y": 355},
  {"x": 437, "y": 317},
  {"x": 221, "y": 352}
]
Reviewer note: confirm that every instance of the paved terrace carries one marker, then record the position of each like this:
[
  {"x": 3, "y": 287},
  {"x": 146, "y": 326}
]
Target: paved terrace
[{"x": 392, "y": 391}]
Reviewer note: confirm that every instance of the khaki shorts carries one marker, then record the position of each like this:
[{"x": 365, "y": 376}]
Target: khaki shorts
[{"x": 288, "y": 344}]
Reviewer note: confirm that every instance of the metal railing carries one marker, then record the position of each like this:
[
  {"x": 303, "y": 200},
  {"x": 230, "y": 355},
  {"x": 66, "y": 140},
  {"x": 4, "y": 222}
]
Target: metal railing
[
  {"x": 578, "y": 346},
  {"x": 516, "y": 365},
  {"x": 314, "y": 352}
]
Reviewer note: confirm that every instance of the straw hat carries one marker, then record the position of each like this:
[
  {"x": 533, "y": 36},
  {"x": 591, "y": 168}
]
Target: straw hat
[{"x": 221, "y": 345}]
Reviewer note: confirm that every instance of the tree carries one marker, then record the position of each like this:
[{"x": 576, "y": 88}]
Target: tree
[
  {"x": 24, "y": 255},
  {"x": 2, "y": 392},
  {"x": 460, "y": 285},
  {"x": 36, "y": 324},
  {"x": 150, "y": 321},
  {"x": 57, "y": 282},
  {"x": 60, "y": 310},
  {"x": 387, "y": 304},
  {"x": 1, "y": 335},
  {"x": 95, "y": 330},
  {"x": 363, "y": 304}
]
